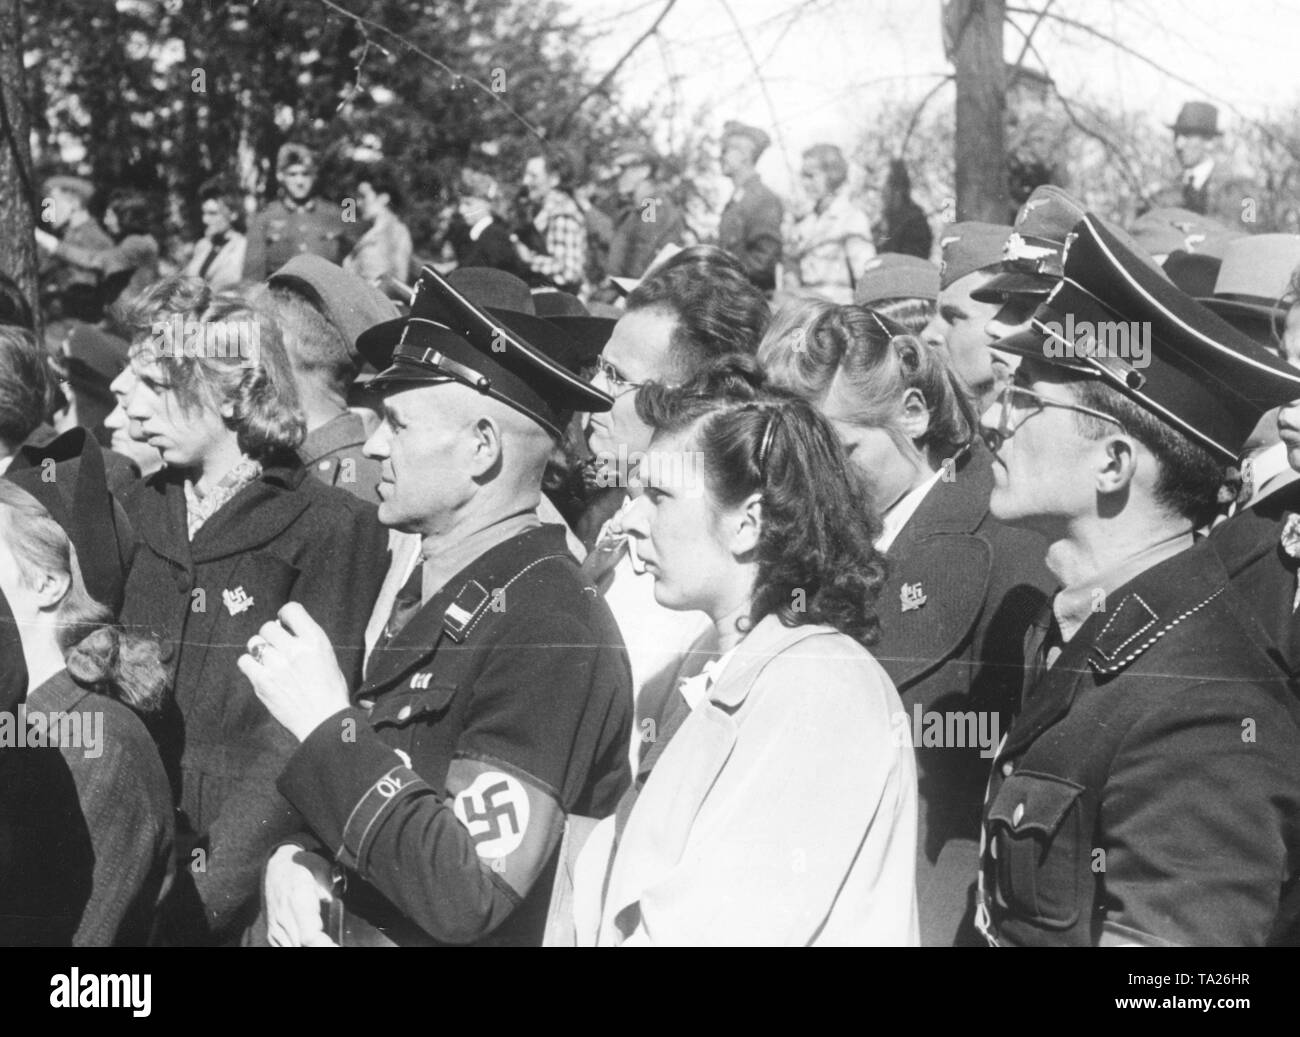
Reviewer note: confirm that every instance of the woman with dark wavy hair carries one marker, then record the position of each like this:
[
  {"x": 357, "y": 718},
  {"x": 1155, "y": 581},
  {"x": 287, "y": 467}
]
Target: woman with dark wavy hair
[
  {"x": 781, "y": 808},
  {"x": 87, "y": 681},
  {"x": 962, "y": 589},
  {"x": 231, "y": 529}
]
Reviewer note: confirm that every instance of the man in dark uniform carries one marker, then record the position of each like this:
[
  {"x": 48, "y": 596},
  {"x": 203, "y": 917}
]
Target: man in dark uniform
[
  {"x": 437, "y": 794},
  {"x": 1148, "y": 792},
  {"x": 322, "y": 309},
  {"x": 296, "y": 222},
  {"x": 750, "y": 228}
]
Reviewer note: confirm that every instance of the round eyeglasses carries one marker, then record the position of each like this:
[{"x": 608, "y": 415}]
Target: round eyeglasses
[{"x": 1016, "y": 405}]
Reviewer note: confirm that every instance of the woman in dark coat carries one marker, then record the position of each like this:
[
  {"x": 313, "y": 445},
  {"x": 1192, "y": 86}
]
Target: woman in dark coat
[
  {"x": 963, "y": 588},
  {"x": 87, "y": 681},
  {"x": 230, "y": 530}
]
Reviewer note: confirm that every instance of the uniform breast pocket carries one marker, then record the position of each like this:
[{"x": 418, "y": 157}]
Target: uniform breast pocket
[
  {"x": 1037, "y": 827},
  {"x": 410, "y": 718}
]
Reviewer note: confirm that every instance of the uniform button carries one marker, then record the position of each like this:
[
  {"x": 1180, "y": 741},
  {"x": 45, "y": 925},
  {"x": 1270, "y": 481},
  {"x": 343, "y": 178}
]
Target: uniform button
[
  {"x": 1018, "y": 813},
  {"x": 323, "y": 465},
  {"x": 366, "y": 704},
  {"x": 1007, "y": 768},
  {"x": 404, "y": 712}
]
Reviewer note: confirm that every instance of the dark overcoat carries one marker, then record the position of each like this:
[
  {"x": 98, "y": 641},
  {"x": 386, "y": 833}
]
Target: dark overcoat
[
  {"x": 962, "y": 590},
  {"x": 285, "y": 537}
]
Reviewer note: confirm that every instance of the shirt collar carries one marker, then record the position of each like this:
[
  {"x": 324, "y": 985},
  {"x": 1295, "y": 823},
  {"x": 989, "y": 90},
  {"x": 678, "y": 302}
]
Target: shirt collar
[
  {"x": 451, "y": 558},
  {"x": 893, "y": 521},
  {"x": 477, "y": 230},
  {"x": 1199, "y": 173},
  {"x": 1074, "y": 604}
]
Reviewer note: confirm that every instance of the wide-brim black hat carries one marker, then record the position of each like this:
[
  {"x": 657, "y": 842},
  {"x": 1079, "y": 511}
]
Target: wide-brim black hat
[
  {"x": 1202, "y": 377},
  {"x": 67, "y": 476}
]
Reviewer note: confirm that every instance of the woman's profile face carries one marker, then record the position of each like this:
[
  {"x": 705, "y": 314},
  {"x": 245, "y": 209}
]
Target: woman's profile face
[
  {"x": 675, "y": 526},
  {"x": 889, "y": 465},
  {"x": 184, "y": 438}
]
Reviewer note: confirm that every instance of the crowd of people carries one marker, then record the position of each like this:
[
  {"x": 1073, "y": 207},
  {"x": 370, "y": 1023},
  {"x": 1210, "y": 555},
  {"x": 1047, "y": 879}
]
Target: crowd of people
[{"x": 791, "y": 588}]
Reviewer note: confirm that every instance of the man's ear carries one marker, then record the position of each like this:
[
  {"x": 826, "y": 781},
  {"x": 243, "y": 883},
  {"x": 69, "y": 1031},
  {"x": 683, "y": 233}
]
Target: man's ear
[
  {"x": 916, "y": 414},
  {"x": 486, "y": 447},
  {"x": 1118, "y": 463},
  {"x": 746, "y": 525}
]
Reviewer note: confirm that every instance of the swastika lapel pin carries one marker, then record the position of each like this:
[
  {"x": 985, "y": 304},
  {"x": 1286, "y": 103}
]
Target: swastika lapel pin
[
  {"x": 237, "y": 601},
  {"x": 911, "y": 596}
]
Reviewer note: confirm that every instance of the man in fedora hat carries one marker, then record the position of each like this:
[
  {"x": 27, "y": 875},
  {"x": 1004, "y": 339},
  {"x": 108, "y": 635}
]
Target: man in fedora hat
[
  {"x": 1147, "y": 793},
  {"x": 1204, "y": 186},
  {"x": 496, "y": 703},
  {"x": 750, "y": 228}
]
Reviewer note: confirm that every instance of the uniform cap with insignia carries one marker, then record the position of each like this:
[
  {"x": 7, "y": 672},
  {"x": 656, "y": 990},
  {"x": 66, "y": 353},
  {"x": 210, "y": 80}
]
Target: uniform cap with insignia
[
  {"x": 1255, "y": 275},
  {"x": 1170, "y": 229},
  {"x": 1204, "y": 378},
  {"x": 758, "y": 138},
  {"x": 895, "y": 275},
  {"x": 1031, "y": 258},
  {"x": 448, "y": 338},
  {"x": 971, "y": 246}
]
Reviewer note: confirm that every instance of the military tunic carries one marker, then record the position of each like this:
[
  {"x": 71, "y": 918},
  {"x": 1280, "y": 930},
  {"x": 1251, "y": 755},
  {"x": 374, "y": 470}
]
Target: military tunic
[
  {"x": 284, "y": 229},
  {"x": 503, "y": 706},
  {"x": 1149, "y": 790}
]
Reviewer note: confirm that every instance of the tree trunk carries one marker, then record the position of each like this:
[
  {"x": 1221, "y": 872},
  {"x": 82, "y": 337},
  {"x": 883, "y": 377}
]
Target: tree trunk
[
  {"x": 17, "y": 192},
  {"x": 975, "y": 28}
]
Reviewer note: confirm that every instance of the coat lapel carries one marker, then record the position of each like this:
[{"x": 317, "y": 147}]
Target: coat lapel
[
  {"x": 939, "y": 575},
  {"x": 255, "y": 516},
  {"x": 161, "y": 525}
]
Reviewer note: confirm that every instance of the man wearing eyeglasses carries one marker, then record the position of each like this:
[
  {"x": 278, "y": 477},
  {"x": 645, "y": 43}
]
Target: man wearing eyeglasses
[
  {"x": 1148, "y": 792},
  {"x": 697, "y": 308}
]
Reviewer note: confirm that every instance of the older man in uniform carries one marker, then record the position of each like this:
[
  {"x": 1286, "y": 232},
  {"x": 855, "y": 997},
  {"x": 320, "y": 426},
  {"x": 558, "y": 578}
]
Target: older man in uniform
[
  {"x": 1148, "y": 792},
  {"x": 298, "y": 221},
  {"x": 497, "y": 702},
  {"x": 750, "y": 228}
]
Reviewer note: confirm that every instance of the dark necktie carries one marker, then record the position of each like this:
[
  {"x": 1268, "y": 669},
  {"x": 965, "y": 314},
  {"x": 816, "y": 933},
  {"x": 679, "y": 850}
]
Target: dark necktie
[
  {"x": 1044, "y": 638},
  {"x": 405, "y": 605},
  {"x": 218, "y": 243}
]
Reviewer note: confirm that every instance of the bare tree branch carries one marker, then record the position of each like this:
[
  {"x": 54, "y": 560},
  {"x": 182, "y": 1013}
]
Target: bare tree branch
[{"x": 564, "y": 123}]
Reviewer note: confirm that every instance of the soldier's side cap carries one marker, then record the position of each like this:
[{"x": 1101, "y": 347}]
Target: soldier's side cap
[
  {"x": 345, "y": 300},
  {"x": 1170, "y": 229},
  {"x": 971, "y": 246},
  {"x": 480, "y": 350},
  {"x": 896, "y": 275},
  {"x": 1031, "y": 257},
  {"x": 1204, "y": 378},
  {"x": 753, "y": 134},
  {"x": 1255, "y": 275},
  {"x": 74, "y": 185}
]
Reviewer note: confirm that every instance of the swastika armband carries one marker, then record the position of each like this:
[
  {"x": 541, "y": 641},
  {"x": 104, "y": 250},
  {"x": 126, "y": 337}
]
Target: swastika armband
[
  {"x": 373, "y": 807},
  {"x": 514, "y": 822}
]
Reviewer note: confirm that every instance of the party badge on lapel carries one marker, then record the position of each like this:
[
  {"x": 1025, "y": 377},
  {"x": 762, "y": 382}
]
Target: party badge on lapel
[
  {"x": 236, "y": 601},
  {"x": 911, "y": 596}
]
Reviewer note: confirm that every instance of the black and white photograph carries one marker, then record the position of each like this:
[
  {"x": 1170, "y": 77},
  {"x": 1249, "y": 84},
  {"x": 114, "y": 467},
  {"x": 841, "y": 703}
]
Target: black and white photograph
[{"x": 649, "y": 473}]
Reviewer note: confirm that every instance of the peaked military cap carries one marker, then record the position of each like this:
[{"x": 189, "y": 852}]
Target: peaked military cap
[
  {"x": 448, "y": 338},
  {"x": 758, "y": 138},
  {"x": 1202, "y": 377},
  {"x": 971, "y": 246},
  {"x": 1031, "y": 257},
  {"x": 1170, "y": 229}
]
